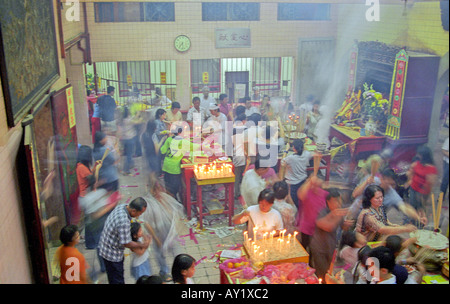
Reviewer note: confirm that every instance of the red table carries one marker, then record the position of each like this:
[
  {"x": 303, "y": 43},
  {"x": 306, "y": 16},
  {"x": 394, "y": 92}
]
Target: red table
[{"x": 361, "y": 146}]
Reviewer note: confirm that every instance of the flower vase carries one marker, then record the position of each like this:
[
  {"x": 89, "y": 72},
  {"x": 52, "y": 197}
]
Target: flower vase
[{"x": 371, "y": 127}]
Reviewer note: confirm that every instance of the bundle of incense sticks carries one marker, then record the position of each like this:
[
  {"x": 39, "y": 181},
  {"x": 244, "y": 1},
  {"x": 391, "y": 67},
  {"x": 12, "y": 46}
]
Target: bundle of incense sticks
[
  {"x": 317, "y": 159},
  {"x": 374, "y": 168},
  {"x": 437, "y": 213}
]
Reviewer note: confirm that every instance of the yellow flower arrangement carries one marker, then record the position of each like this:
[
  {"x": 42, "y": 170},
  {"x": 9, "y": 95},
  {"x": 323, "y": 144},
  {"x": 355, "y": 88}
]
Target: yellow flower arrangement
[{"x": 375, "y": 105}]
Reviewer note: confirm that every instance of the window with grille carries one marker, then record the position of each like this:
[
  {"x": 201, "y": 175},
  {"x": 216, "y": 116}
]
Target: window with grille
[
  {"x": 303, "y": 11},
  {"x": 266, "y": 73},
  {"x": 140, "y": 75},
  {"x": 134, "y": 11},
  {"x": 224, "y": 11},
  {"x": 198, "y": 77}
]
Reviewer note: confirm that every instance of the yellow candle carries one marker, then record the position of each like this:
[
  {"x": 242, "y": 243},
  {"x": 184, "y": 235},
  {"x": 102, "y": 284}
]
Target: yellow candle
[{"x": 255, "y": 230}]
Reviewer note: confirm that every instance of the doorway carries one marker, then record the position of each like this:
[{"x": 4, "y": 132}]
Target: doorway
[{"x": 236, "y": 85}]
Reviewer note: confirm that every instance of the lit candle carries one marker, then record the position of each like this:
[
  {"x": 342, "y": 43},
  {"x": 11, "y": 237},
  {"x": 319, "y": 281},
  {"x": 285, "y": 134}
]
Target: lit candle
[
  {"x": 289, "y": 237},
  {"x": 271, "y": 237},
  {"x": 295, "y": 234},
  {"x": 320, "y": 281},
  {"x": 255, "y": 229}
]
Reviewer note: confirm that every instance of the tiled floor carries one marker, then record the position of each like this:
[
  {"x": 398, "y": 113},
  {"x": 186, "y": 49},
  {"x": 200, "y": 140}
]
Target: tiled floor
[{"x": 208, "y": 243}]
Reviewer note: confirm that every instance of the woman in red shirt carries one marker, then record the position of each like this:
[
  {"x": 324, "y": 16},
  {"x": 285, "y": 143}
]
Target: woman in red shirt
[
  {"x": 422, "y": 176},
  {"x": 84, "y": 163}
]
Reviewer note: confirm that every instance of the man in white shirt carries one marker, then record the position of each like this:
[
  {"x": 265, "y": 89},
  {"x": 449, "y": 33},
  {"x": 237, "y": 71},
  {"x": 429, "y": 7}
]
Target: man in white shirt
[
  {"x": 239, "y": 155},
  {"x": 174, "y": 113},
  {"x": 206, "y": 100},
  {"x": 217, "y": 121},
  {"x": 262, "y": 216},
  {"x": 161, "y": 100},
  {"x": 250, "y": 109},
  {"x": 197, "y": 108}
]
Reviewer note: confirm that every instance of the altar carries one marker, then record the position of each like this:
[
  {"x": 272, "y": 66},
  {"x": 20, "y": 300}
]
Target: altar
[{"x": 388, "y": 103}]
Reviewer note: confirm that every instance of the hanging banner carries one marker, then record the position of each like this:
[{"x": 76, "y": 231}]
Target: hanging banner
[
  {"x": 397, "y": 94},
  {"x": 70, "y": 107},
  {"x": 352, "y": 68}
]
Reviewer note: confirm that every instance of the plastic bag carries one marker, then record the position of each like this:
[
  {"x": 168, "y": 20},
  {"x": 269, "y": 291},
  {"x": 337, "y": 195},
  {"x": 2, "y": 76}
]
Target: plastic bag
[{"x": 164, "y": 216}]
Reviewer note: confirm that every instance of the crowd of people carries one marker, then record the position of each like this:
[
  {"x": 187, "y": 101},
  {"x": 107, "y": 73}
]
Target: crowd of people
[{"x": 276, "y": 188}]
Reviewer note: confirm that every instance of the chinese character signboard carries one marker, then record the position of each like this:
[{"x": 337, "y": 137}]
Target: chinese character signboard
[
  {"x": 205, "y": 77},
  {"x": 70, "y": 107},
  {"x": 233, "y": 38}
]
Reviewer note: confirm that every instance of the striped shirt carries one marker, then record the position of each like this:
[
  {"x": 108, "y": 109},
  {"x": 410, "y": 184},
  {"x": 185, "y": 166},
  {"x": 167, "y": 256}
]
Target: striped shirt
[{"x": 116, "y": 233}]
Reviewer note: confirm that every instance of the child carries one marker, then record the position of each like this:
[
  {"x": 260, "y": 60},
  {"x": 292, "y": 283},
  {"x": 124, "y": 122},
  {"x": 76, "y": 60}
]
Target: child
[
  {"x": 140, "y": 264},
  {"x": 154, "y": 279},
  {"x": 399, "y": 247},
  {"x": 71, "y": 261},
  {"x": 285, "y": 206},
  {"x": 351, "y": 243},
  {"x": 183, "y": 269}
]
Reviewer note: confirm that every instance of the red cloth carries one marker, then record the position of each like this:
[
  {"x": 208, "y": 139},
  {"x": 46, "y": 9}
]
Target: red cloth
[{"x": 420, "y": 173}]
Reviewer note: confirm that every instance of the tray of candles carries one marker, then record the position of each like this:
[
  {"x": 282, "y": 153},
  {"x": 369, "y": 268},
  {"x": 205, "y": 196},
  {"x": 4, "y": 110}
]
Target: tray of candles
[
  {"x": 214, "y": 173},
  {"x": 271, "y": 250}
]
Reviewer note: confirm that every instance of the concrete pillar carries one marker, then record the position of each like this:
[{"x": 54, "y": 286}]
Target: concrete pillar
[
  {"x": 441, "y": 86},
  {"x": 183, "y": 92},
  {"x": 75, "y": 76}
]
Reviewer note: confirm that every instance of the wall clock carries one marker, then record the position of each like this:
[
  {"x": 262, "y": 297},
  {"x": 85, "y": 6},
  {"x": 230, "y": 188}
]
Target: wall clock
[{"x": 182, "y": 43}]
